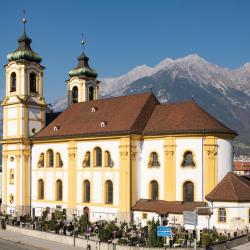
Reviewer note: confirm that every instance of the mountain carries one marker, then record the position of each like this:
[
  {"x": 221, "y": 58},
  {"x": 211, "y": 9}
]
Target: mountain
[{"x": 222, "y": 92}]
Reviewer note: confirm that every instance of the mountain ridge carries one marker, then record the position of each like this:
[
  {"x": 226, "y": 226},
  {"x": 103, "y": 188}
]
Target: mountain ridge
[{"x": 223, "y": 92}]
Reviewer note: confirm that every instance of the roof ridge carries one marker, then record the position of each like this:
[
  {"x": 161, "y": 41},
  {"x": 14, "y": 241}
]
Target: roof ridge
[
  {"x": 145, "y": 104},
  {"x": 120, "y": 96},
  {"x": 243, "y": 181},
  {"x": 231, "y": 183}
]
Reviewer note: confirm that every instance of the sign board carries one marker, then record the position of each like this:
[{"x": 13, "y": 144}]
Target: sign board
[
  {"x": 190, "y": 218},
  {"x": 163, "y": 231}
]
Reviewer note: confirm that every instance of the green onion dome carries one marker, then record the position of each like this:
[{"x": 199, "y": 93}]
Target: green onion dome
[
  {"x": 83, "y": 69},
  {"x": 24, "y": 51}
]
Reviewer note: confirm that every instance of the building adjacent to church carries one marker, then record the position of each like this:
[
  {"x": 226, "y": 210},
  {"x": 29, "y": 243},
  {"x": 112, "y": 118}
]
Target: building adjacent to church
[{"x": 108, "y": 155}]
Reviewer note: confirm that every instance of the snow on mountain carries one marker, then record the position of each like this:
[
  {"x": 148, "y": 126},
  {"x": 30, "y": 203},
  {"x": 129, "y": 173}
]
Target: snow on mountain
[
  {"x": 241, "y": 78},
  {"x": 60, "y": 104},
  {"x": 116, "y": 85},
  {"x": 192, "y": 67}
]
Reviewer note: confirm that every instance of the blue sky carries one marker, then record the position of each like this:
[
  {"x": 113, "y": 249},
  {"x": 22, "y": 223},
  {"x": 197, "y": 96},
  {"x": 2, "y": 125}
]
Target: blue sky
[{"x": 123, "y": 34}]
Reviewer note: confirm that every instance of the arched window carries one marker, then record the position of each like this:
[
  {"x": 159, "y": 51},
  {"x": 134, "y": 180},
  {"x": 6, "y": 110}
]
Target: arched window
[
  {"x": 108, "y": 160},
  {"x": 59, "y": 162},
  {"x": 91, "y": 93},
  {"x": 40, "y": 189},
  {"x": 12, "y": 176},
  {"x": 97, "y": 157},
  {"x": 41, "y": 161},
  {"x": 50, "y": 158},
  {"x": 153, "y": 160},
  {"x": 109, "y": 192},
  {"x": 33, "y": 87},
  {"x": 86, "y": 191},
  {"x": 153, "y": 190},
  {"x": 74, "y": 94},
  {"x": 188, "y": 191},
  {"x": 59, "y": 190},
  {"x": 188, "y": 159},
  {"x": 13, "y": 82},
  {"x": 86, "y": 160}
]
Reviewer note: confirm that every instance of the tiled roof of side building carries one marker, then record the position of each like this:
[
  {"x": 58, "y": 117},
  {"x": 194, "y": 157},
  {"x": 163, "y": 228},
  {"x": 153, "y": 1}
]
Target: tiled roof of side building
[
  {"x": 241, "y": 166},
  {"x": 184, "y": 117},
  {"x": 120, "y": 115},
  {"x": 232, "y": 188},
  {"x": 132, "y": 114},
  {"x": 169, "y": 207}
]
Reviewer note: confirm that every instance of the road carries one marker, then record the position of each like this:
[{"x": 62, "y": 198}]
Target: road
[
  {"x": 9, "y": 245},
  {"x": 16, "y": 241},
  {"x": 242, "y": 247}
]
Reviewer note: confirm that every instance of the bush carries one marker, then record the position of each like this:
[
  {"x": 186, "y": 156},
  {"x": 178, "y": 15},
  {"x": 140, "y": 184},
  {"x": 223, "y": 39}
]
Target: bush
[
  {"x": 25, "y": 218},
  {"x": 206, "y": 240},
  {"x": 222, "y": 238},
  {"x": 52, "y": 225},
  {"x": 122, "y": 242},
  {"x": 106, "y": 232},
  {"x": 45, "y": 225},
  {"x": 59, "y": 215}
]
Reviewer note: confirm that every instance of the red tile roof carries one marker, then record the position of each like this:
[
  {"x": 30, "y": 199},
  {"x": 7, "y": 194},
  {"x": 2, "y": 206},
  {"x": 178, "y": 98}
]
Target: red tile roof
[
  {"x": 168, "y": 207},
  {"x": 232, "y": 188},
  {"x": 126, "y": 114},
  {"x": 241, "y": 166},
  {"x": 183, "y": 117},
  {"x": 133, "y": 114}
]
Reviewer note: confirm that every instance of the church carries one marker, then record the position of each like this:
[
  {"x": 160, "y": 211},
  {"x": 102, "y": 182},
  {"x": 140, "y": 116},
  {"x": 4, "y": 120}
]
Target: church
[{"x": 127, "y": 157}]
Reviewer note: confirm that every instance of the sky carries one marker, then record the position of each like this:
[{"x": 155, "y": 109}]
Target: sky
[{"x": 120, "y": 34}]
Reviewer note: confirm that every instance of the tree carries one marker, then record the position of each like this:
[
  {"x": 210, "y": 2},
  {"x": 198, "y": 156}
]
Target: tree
[
  {"x": 153, "y": 239},
  {"x": 84, "y": 222}
]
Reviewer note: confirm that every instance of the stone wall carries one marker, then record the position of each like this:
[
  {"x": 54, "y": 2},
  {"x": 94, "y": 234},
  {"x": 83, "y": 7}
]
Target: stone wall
[{"x": 230, "y": 244}]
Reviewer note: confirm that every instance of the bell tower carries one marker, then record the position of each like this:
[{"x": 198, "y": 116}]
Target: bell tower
[
  {"x": 82, "y": 85},
  {"x": 23, "y": 116}
]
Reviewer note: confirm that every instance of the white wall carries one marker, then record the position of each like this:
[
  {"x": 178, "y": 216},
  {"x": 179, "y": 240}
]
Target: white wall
[
  {"x": 95, "y": 175},
  {"x": 49, "y": 175},
  {"x": 225, "y": 157},
  {"x": 138, "y": 217},
  {"x": 146, "y": 174},
  {"x": 237, "y": 218},
  {"x": 193, "y": 174}
]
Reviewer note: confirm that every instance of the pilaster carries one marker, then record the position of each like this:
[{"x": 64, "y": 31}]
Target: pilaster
[
  {"x": 133, "y": 154},
  {"x": 4, "y": 179},
  {"x": 26, "y": 179},
  {"x": 18, "y": 157},
  {"x": 124, "y": 179},
  {"x": 170, "y": 168},
  {"x": 210, "y": 163},
  {"x": 72, "y": 180}
]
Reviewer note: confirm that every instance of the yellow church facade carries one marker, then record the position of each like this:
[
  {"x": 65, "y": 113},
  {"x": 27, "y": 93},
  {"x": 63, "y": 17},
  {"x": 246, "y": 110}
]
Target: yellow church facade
[{"x": 102, "y": 154}]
